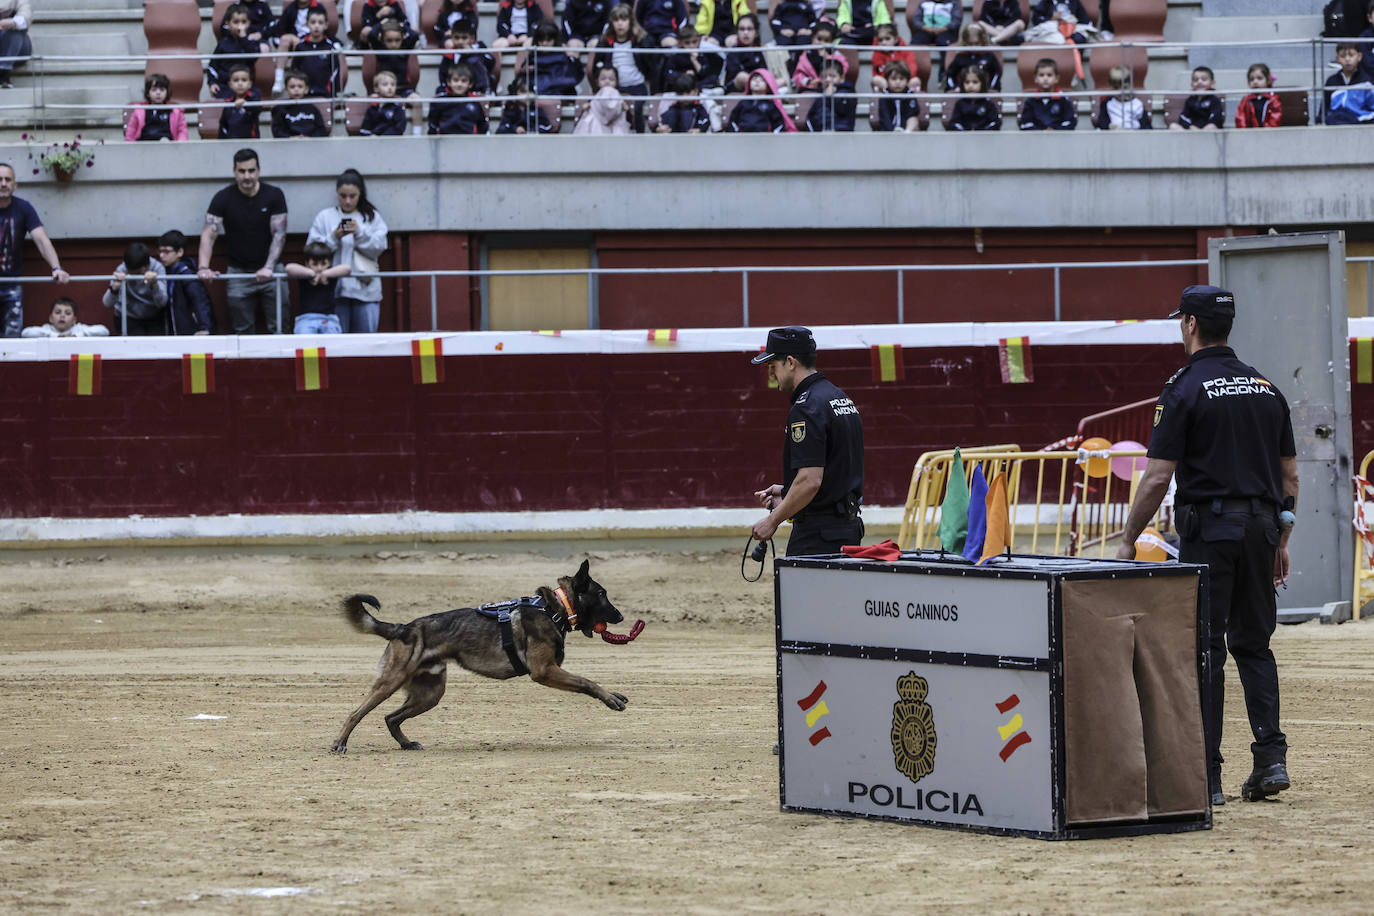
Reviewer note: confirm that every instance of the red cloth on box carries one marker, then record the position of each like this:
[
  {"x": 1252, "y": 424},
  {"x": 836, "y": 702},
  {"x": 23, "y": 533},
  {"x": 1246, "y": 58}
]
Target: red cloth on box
[{"x": 887, "y": 550}]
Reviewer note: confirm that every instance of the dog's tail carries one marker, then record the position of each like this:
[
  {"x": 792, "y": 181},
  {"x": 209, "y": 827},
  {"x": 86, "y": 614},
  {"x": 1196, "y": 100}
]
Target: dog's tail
[{"x": 356, "y": 614}]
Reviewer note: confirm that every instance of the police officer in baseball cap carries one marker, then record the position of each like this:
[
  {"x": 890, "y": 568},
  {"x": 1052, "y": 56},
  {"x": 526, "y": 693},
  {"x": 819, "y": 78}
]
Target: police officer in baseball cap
[
  {"x": 1224, "y": 432},
  {"x": 822, "y": 453}
]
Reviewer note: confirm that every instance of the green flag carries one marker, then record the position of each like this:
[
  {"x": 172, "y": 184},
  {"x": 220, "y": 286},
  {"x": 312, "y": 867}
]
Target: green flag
[{"x": 954, "y": 510}]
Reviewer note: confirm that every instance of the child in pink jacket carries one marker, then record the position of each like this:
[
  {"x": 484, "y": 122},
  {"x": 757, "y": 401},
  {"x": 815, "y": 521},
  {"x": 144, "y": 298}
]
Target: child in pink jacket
[{"x": 156, "y": 123}]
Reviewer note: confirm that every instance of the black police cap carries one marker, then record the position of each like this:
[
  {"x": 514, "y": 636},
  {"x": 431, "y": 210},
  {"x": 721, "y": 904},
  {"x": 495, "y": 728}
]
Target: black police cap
[
  {"x": 787, "y": 342},
  {"x": 1206, "y": 302}
]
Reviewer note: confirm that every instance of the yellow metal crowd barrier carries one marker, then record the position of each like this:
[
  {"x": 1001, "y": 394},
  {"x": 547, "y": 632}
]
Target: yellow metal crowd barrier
[
  {"x": 1364, "y": 538},
  {"x": 1061, "y": 503}
]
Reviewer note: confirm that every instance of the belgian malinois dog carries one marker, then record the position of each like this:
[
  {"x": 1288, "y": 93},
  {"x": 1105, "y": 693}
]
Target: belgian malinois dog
[{"x": 417, "y": 653}]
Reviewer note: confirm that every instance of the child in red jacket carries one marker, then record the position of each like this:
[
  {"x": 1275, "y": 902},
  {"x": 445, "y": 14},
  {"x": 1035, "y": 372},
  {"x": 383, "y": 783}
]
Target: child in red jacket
[{"x": 1260, "y": 108}]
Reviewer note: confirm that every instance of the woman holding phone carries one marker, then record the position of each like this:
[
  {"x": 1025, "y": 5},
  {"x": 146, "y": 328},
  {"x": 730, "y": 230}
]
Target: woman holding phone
[{"x": 356, "y": 233}]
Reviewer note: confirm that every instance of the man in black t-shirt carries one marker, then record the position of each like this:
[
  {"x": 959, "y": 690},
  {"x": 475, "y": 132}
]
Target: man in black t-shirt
[
  {"x": 18, "y": 219},
  {"x": 822, "y": 457},
  {"x": 253, "y": 215},
  {"x": 1225, "y": 432}
]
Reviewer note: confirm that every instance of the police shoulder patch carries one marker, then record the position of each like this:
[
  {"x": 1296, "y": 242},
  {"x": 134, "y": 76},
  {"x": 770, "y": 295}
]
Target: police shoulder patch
[
  {"x": 1173, "y": 378},
  {"x": 1159, "y": 412},
  {"x": 798, "y": 431}
]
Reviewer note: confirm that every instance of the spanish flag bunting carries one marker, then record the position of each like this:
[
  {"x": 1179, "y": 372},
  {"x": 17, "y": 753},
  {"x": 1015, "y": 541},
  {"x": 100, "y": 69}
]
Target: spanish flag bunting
[
  {"x": 1014, "y": 357},
  {"x": 887, "y": 363},
  {"x": 427, "y": 360},
  {"x": 83, "y": 376},
  {"x": 998, "y": 536},
  {"x": 663, "y": 335},
  {"x": 1128, "y": 321},
  {"x": 312, "y": 373},
  {"x": 550, "y": 333},
  {"x": 1364, "y": 360},
  {"x": 197, "y": 373}
]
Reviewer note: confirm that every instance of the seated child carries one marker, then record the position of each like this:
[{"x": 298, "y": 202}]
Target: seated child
[
  {"x": 1202, "y": 112},
  {"x": 385, "y": 117},
  {"x": 1123, "y": 111},
  {"x": 1060, "y": 21},
  {"x": 859, "y": 19},
  {"x": 792, "y": 21},
  {"x": 321, "y": 68},
  {"x": 62, "y": 323},
  {"x": 520, "y": 114},
  {"x": 297, "y": 118},
  {"x": 660, "y": 19},
  {"x": 188, "y": 302},
  {"x": 391, "y": 36},
  {"x": 1004, "y": 21},
  {"x": 635, "y": 69},
  {"x": 549, "y": 68},
  {"x": 289, "y": 31},
  {"x": 706, "y": 68},
  {"x": 144, "y": 297},
  {"x": 686, "y": 115},
  {"x": 1260, "y": 108},
  {"x": 834, "y": 110},
  {"x": 316, "y": 281},
  {"x": 934, "y": 22},
  {"x": 516, "y": 21},
  {"x": 454, "y": 112},
  {"x": 463, "y": 37},
  {"x": 606, "y": 112},
  {"x": 974, "y": 51},
  {"x": 887, "y": 47},
  {"x": 747, "y": 55},
  {"x": 235, "y": 49},
  {"x": 261, "y": 19},
  {"x": 240, "y": 120},
  {"x": 147, "y": 123},
  {"x": 975, "y": 111},
  {"x": 899, "y": 110},
  {"x": 806, "y": 69},
  {"x": 583, "y": 21},
  {"x": 1051, "y": 110},
  {"x": 1349, "y": 96},
  {"x": 376, "y": 12},
  {"x": 452, "y": 12},
  {"x": 760, "y": 115}
]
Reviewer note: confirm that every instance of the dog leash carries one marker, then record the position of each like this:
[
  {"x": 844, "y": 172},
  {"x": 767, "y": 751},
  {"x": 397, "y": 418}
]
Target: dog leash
[
  {"x": 757, "y": 556},
  {"x": 619, "y": 639}
]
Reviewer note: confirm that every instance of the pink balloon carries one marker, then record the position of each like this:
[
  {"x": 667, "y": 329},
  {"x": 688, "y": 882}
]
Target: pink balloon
[{"x": 1124, "y": 468}]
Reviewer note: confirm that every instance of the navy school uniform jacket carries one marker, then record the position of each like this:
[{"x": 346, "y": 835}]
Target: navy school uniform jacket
[
  {"x": 297, "y": 119},
  {"x": 684, "y": 115},
  {"x": 834, "y": 111},
  {"x": 290, "y": 22},
  {"x": 792, "y": 14},
  {"x": 976, "y": 112},
  {"x": 321, "y": 69},
  {"x": 449, "y": 114},
  {"x": 660, "y": 17},
  {"x": 553, "y": 72},
  {"x": 370, "y": 8},
  {"x": 533, "y": 11},
  {"x": 1200, "y": 110},
  {"x": 230, "y": 52},
  {"x": 584, "y": 19},
  {"x": 1000, "y": 12},
  {"x": 465, "y": 12},
  {"x": 861, "y": 12},
  {"x": 261, "y": 19},
  {"x": 745, "y": 62},
  {"x": 710, "y": 66},
  {"x": 384, "y": 119},
  {"x": 895, "y": 109},
  {"x": 961, "y": 60},
  {"x": 515, "y": 114},
  {"x": 188, "y": 304},
  {"x": 756, "y": 116},
  {"x": 1050, "y": 112},
  {"x": 480, "y": 64},
  {"x": 396, "y": 65},
  {"x": 241, "y": 123}
]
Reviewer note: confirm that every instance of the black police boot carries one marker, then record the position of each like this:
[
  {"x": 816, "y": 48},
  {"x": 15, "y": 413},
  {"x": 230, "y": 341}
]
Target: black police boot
[
  {"x": 1265, "y": 781},
  {"x": 1214, "y": 788}
]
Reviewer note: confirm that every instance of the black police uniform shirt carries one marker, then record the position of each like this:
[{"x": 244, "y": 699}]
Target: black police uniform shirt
[
  {"x": 1226, "y": 425},
  {"x": 824, "y": 431}
]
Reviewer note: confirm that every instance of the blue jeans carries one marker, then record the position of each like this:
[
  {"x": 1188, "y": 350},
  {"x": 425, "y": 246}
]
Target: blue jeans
[
  {"x": 357, "y": 316},
  {"x": 315, "y": 323},
  {"x": 14, "y": 43},
  {"x": 12, "y": 304}
]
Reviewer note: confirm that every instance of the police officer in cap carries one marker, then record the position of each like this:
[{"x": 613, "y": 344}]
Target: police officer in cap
[
  {"x": 822, "y": 453},
  {"x": 1225, "y": 432}
]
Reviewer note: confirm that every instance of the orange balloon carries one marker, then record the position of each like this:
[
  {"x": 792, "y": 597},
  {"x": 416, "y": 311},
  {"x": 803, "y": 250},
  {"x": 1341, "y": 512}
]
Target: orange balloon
[
  {"x": 1097, "y": 467},
  {"x": 1149, "y": 550}
]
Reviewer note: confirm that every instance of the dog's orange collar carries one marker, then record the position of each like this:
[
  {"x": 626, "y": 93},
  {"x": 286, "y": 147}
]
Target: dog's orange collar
[{"x": 562, "y": 597}]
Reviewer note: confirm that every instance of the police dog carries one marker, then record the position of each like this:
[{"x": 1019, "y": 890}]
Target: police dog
[{"x": 417, "y": 653}]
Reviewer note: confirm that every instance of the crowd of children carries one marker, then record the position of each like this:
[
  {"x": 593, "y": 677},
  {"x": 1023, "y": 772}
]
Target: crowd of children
[{"x": 705, "y": 71}]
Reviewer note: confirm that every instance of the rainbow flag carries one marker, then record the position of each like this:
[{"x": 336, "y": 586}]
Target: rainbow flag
[
  {"x": 312, "y": 373},
  {"x": 83, "y": 374},
  {"x": 1014, "y": 358},
  {"x": 663, "y": 336},
  {"x": 887, "y": 363},
  {"x": 1364, "y": 360},
  {"x": 197, "y": 373},
  {"x": 427, "y": 360}
]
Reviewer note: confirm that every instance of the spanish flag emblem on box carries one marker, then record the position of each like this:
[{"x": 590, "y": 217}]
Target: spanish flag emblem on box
[
  {"x": 887, "y": 363},
  {"x": 312, "y": 372},
  {"x": 197, "y": 373},
  {"x": 427, "y": 360},
  {"x": 1014, "y": 359},
  {"x": 663, "y": 336},
  {"x": 83, "y": 375}
]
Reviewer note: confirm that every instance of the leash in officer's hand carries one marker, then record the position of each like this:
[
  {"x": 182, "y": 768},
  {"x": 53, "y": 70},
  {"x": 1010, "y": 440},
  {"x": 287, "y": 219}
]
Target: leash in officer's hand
[{"x": 757, "y": 555}]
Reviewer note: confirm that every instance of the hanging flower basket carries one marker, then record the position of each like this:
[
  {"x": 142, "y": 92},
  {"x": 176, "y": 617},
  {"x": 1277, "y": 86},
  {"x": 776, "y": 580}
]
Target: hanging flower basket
[{"x": 63, "y": 158}]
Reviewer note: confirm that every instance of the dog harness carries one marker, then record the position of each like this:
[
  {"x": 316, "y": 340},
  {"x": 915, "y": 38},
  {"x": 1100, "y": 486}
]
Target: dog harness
[{"x": 564, "y": 618}]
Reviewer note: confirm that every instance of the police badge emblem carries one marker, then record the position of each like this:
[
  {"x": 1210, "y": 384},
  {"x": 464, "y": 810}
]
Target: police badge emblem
[
  {"x": 913, "y": 728},
  {"x": 798, "y": 431},
  {"x": 1159, "y": 412}
]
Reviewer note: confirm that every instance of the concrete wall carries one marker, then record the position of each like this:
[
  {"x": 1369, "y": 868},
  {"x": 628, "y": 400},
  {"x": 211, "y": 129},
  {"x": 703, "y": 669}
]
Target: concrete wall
[{"x": 494, "y": 184}]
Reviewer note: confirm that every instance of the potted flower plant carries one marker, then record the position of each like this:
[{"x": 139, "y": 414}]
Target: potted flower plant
[{"x": 63, "y": 159}]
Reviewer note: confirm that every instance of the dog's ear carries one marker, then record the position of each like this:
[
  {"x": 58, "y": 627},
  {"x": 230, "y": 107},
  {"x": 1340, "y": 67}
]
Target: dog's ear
[{"x": 582, "y": 573}]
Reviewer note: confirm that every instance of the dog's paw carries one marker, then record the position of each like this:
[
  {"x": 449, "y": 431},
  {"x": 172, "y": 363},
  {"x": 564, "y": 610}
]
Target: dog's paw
[
  {"x": 339, "y": 748},
  {"x": 616, "y": 701},
  {"x": 412, "y": 746}
]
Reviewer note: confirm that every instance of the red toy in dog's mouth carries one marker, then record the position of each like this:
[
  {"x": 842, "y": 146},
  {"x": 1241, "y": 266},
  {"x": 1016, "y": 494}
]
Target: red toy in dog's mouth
[{"x": 618, "y": 638}]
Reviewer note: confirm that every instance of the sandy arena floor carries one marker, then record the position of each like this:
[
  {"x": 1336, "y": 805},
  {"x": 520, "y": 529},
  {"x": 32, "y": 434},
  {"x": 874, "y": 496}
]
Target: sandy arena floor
[{"x": 118, "y": 799}]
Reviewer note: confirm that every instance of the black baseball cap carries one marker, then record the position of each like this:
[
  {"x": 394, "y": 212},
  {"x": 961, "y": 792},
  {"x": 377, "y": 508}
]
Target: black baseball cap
[
  {"x": 1206, "y": 302},
  {"x": 787, "y": 342}
]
